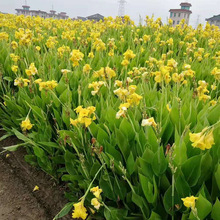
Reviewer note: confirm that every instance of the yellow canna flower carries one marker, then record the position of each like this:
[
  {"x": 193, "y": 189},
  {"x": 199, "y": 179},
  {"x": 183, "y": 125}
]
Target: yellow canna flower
[
  {"x": 79, "y": 210},
  {"x": 124, "y": 62},
  {"x": 14, "y": 68},
  {"x": 14, "y": 45},
  {"x": 91, "y": 55},
  {"x": 149, "y": 122},
  {"x": 168, "y": 107},
  {"x": 36, "y": 188},
  {"x": 95, "y": 203},
  {"x": 73, "y": 122},
  {"x": 37, "y": 48},
  {"x": 203, "y": 140},
  {"x": 189, "y": 202},
  {"x": 96, "y": 192},
  {"x": 213, "y": 102},
  {"x": 26, "y": 124},
  {"x": 86, "y": 69}
]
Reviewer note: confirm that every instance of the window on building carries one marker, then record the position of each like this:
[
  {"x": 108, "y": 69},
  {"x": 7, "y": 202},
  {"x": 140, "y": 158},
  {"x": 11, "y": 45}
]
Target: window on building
[
  {"x": 179, "y": 14},
  {"x": 178, "y": 22},
  {"x": 184, "y": 15},
  {"x": 174, "y": 14},
  {"x": 171, "y": 14},
  {"x": 173, "y": 22}
]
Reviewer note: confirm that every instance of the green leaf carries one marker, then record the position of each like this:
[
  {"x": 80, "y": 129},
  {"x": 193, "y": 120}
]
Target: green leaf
[
  {"x": 159, "y": 163},
  {"x": 65, "y": 210},
  {"x": 146, "y": 169},
  {"x": 120, "y": 188},
  {"x": 217, "y": 176},
  {"x": 152, "y": 139},
  {"x": 126, "y": 129},
  {"x": 148, "y": 155},
  {"x": 23, "y": 137},
  {"x": 122, "y": 143},
  {"x": 155, "y": 216},
  {"x": 5, "y": 136},
  {"x": 206, "y": 167},
  {"x": 130, "y": 164},
  {"x": 140, "y": 202},
  {"x": 31, "y": 159},
  {"x": 114, "y": 214},
  {"x": 180, "y": 150},
  {"x": 192, "y": 169},
  {"x": 216, "y": 210},
  {"x": 50, "y": 144},
  {"x": 102, "y": 136},
  {"x": 182, "y": 187},
  {"x": 167, "y": 200},
  {"x": 7, "y": 78},
  {"x": 106, "y": 185},
  {"x": 70, "y": 162},
  {"x": 204, "y": 207},
  {"x": 213, "y": 115},
  {"x": 66, "y": 96},
  {"x": 149, "y": 188},
  {"x": 14, "y": 147}
]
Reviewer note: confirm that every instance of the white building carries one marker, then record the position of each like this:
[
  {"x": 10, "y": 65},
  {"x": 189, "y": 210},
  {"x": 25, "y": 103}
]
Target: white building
[
  {"x": 214, "y": 20},
  {"x": 183, "y": 13},
  {"x": 43, "y": 14}
]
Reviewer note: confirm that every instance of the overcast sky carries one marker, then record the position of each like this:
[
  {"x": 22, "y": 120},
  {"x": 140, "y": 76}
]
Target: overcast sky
[{"x": 160, "y": 8}]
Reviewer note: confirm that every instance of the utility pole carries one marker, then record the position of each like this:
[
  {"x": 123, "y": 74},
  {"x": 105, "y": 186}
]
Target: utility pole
[
  {"x": 121, "y": 9},
  {"x": 197, "y": 21}
]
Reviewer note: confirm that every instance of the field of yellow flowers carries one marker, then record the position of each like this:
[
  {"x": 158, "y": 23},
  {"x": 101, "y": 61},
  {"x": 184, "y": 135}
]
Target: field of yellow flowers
[{"x": 127, "y": 116}]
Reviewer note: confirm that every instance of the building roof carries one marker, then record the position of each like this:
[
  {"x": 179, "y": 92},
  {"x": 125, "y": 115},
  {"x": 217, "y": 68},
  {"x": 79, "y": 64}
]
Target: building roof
[
  {"x": 214, "y": 18},
  {"x": 25, "y": 6},
  {"x": 181, "y": 10},
  {"x": 81, "y": 18},
  {"x": 185, "y": 4},
  {"x": 95, "y": 16}
]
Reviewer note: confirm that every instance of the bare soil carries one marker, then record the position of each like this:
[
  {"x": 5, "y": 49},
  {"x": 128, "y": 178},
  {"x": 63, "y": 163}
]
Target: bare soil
[{"x": 17, "y": 181}]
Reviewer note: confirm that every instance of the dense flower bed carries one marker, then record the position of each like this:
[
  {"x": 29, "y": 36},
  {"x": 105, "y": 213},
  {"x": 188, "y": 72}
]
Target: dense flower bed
[{"x": 127, "y": 115}]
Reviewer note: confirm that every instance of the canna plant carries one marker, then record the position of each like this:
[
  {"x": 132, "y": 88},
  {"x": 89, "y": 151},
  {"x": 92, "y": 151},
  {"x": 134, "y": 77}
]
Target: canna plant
[{"x": 127, "y": 116}]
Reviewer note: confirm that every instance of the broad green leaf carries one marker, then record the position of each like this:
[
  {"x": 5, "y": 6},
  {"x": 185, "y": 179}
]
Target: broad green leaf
[
  {"x": 65, "y": 210},
  {"x": 149, "y": 188},
  {"x": 159, "y": 163},
  {"x": 217, "y": 176},
  {"x": 14, "y": 147},
  {"x": 122, "y": 143},
  {"x": 70, "y": 162},
  {"x": 191, "y": 169},
  {"x": 102, "y": 136},
  {"x": 126, "y": 129},
  {"x": 182, "y": 187},
  {"x": 216, "y": 210},
  {"x": 167, "y": 200},
  {"x": 130, "y": 164},
  {"x": 204, "y": 207}
]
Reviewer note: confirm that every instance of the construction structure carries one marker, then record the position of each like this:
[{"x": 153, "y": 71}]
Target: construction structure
[
  {"x": 215, "y": 20},
  {"x": 183, "y": 13},
  {"x": 43, "y": 14},
  {"x": 121, "y": 9}
]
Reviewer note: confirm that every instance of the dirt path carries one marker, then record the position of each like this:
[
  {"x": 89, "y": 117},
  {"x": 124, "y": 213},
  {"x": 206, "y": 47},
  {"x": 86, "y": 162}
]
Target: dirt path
[
  {"x": 17, "y": 180},
  {"x": 16, "y": 201}
]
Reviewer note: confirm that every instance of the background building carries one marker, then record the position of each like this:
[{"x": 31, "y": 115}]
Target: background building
[
  {"x": 43, "y": 14},
  {"x": 214, "y": 20},
  {"x": 183, "y": 13},
  {"x": 95, "y": 17}
]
